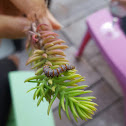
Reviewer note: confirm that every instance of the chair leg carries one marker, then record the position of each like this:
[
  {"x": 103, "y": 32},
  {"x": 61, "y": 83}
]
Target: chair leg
[{"x": 85, "y": 40}]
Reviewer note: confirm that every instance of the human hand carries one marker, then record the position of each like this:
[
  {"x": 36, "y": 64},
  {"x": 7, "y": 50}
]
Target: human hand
[
  {"x": 12, "y": 22},
  {"x": 121, "y": 2},
  {"x": 38, "y": 7}
]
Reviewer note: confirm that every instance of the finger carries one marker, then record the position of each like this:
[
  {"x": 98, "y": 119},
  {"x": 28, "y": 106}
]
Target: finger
[
  {"x": 55, "y": 24},
  {"x": 12, "y": 27},
  {"x": 44, "y": 20},
  {"x": 114, "y": 0},
  {"x": 8, "y": 8},
  {"x": 122, "y": 2},
  {"x": 31, "y": 8}
]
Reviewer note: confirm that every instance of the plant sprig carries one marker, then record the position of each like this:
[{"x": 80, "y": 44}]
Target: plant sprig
[{"x": 46, "y": 49}]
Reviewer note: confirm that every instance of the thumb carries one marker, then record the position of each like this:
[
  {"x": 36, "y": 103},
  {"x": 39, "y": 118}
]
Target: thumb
[
  {"x": 12, "y": 27},
  {"x": 55, "y": 24}
]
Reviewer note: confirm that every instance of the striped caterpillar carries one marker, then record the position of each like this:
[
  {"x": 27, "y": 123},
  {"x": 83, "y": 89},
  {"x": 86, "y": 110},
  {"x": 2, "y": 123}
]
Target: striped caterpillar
[{"x": 55, "y": 72}]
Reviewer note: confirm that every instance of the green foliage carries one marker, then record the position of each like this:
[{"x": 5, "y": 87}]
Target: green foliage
[
  {"x": 64, "y": 88},
  {"x": 47, "y": 50}
]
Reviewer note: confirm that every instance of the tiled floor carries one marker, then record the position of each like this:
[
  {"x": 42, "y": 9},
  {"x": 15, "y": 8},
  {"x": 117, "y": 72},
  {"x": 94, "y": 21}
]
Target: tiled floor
[{"x": 99, "y": 77}]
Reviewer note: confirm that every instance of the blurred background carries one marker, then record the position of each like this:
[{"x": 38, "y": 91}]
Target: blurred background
[{"x": 99, "y": 77}]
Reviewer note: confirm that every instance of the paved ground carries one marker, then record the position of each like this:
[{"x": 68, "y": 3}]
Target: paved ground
[{"x": 99, "y": 77}]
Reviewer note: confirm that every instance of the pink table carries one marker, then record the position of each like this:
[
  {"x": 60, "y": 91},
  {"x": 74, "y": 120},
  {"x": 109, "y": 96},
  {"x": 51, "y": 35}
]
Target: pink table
[{"x": 112, "y": 46}]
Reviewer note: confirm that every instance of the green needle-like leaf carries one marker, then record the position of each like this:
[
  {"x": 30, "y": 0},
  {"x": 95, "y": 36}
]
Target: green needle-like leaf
[
  {"x": 35, "y": 77},
  {"x": 82, "y": 116},
  {"x": 39, "y": 71},
  {"x": 59, "y": 108},
  {"x": 73, "y": 109},
  {"x": 39, "y": 101},
  {"x": 32, "y": 89},
  {"x": 42, "y": 89},
  {"x": 88, "y": 116},
  {"x": 76, "y": 88},
  {"x": 85, "y": 108},
  {"x": 73, "y": 99},
  {"x": 71, "y": 82},
  {"x": 33, "y": 59},
  {"x": 86, "y": 98},
  {"x": 76, "y": 93},
  {"x": 88, "y": 102},
  {"x": 70, "y": 77},
  {"x": 62, "y": 101},
  {"x": 66, "y": 108},
  {"x": 34, "y": 95},
  {"x": 38, "y": 92},
  {"x": 52, "y": 100},
  {"x": 38, "y": 64}
]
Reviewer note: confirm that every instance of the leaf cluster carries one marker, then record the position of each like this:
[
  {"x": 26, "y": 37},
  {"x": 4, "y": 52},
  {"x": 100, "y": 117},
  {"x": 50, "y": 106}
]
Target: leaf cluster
[
  {"x": 47, "y": 49},
  {"x": 64, "y": 88}
]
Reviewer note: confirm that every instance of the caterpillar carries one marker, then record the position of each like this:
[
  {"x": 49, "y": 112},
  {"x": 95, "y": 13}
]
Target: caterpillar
[{"x": 55, "y": 72}]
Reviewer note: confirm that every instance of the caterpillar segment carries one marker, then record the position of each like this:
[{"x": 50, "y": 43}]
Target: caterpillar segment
[{"x": 55, "y": 72}]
